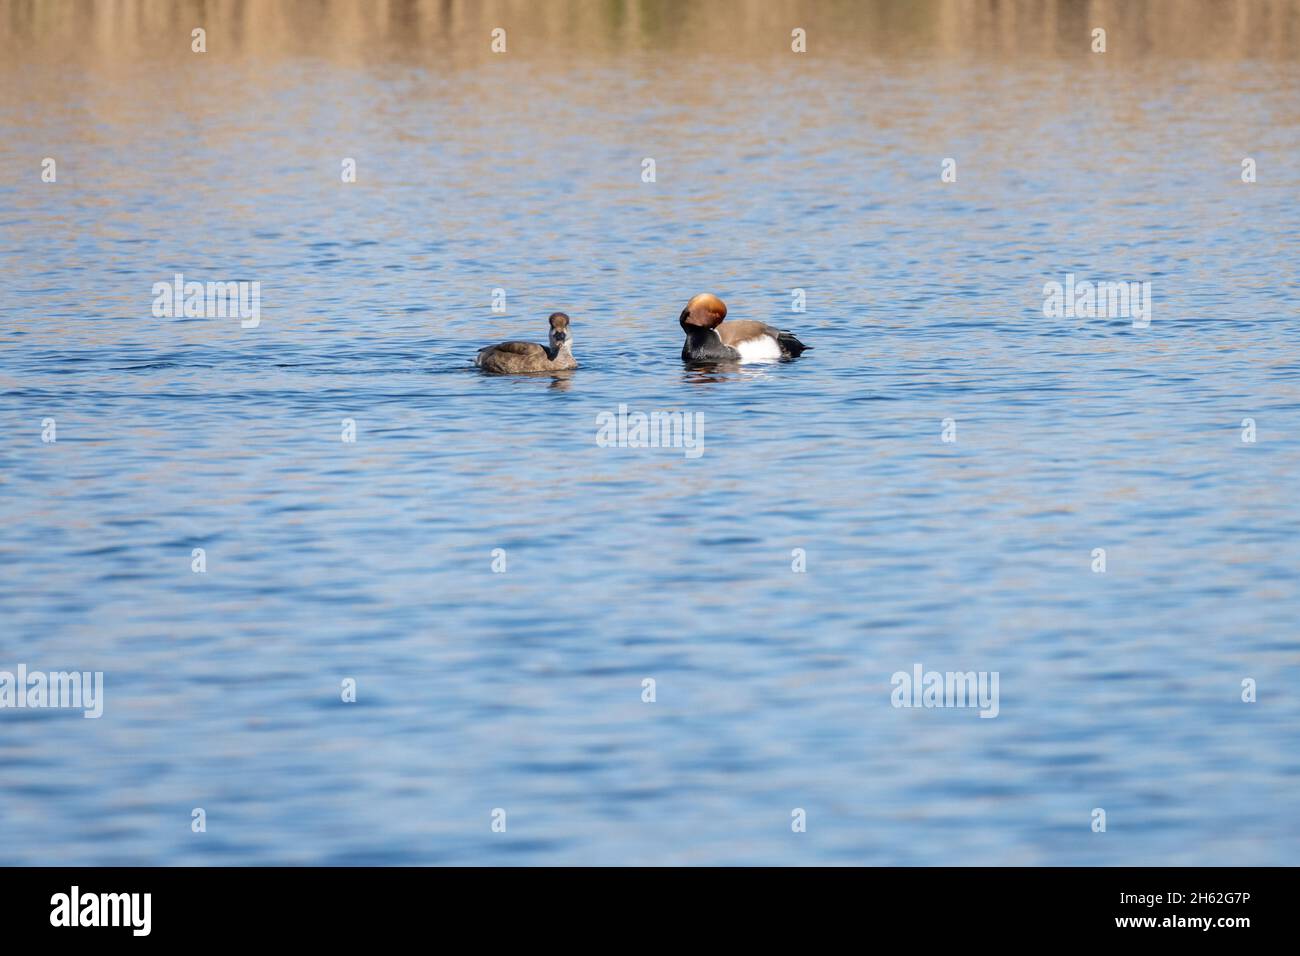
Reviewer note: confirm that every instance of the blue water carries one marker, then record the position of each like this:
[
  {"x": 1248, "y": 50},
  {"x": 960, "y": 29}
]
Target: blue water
[{"x": 522, "y": 690}]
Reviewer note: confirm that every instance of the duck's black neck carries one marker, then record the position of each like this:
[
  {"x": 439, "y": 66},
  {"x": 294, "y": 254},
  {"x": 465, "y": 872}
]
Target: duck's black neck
[{"x": 704, "y": 345}]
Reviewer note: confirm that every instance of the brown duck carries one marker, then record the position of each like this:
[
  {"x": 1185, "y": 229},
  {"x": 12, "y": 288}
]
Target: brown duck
[{"x": 515, "y": 358}]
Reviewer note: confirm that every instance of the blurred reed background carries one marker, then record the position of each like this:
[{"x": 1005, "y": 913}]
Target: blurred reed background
[{"x": 432, "y": 30}]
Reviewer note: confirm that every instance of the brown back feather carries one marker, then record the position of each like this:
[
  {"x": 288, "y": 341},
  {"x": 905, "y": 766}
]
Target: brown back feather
[
  {"x": 519, "y": 348},
  {"x": 742, "y": 330}
]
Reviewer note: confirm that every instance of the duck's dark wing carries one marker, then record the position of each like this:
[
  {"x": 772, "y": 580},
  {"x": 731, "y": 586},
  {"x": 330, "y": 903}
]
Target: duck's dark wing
[{"x": 790, "y": 345}]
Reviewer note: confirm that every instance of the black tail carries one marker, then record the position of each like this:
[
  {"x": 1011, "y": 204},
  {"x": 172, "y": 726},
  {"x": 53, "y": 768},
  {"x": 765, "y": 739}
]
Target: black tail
[{"x": 790, "y": 346}]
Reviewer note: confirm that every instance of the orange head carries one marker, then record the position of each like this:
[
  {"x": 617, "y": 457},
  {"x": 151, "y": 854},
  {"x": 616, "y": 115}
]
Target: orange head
[{"x": 704, "y": 311}]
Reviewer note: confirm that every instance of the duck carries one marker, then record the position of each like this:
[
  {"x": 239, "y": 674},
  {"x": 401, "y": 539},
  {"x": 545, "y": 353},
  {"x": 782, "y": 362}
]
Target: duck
[
  {"x": 709, "y": 339},
  {"x": 515, "y": 358}
]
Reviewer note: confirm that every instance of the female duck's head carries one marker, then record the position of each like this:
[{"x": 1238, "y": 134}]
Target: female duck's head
[{"x": 560, "y": 338}]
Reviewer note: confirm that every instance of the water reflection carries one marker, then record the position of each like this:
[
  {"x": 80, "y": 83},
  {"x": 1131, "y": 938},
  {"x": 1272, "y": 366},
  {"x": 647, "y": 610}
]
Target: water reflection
[{"x": 709, "y": 374}]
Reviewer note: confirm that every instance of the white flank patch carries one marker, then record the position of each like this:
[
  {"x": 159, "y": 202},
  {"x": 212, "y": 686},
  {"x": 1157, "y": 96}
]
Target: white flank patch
[{"x": 761, "y": 349}]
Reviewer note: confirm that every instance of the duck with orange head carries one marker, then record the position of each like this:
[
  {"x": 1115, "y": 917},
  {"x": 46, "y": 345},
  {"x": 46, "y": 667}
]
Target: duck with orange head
[{"x": 710, "y": 339}]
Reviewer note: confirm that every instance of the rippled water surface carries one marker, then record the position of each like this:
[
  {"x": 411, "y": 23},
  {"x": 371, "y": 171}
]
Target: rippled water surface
[{"x": 522, "y": 690}]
